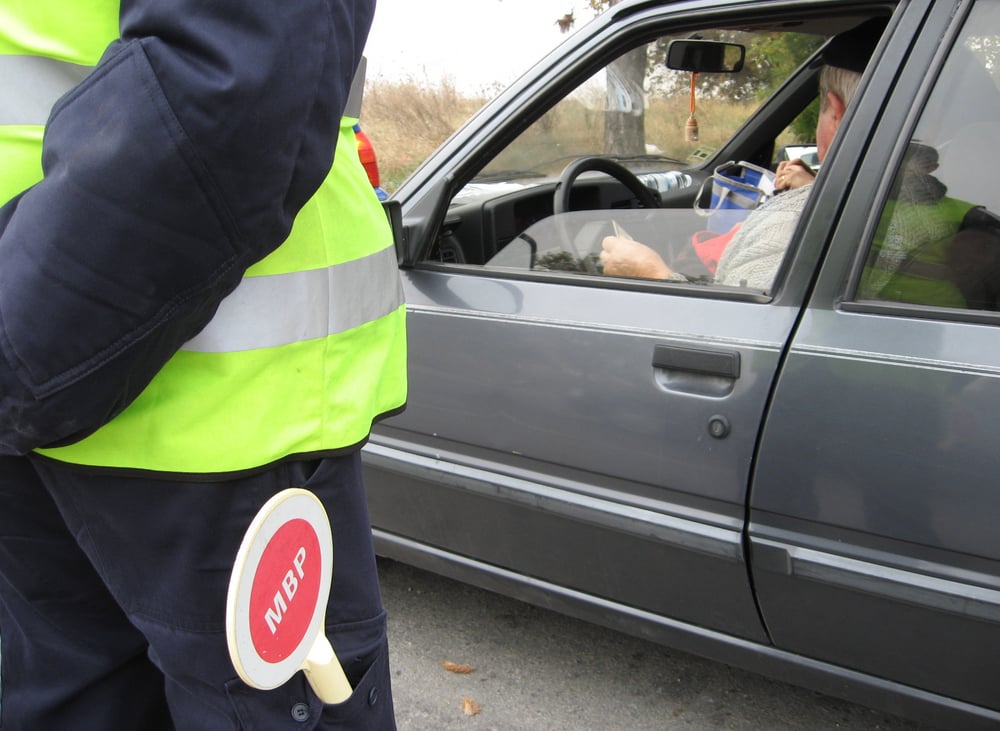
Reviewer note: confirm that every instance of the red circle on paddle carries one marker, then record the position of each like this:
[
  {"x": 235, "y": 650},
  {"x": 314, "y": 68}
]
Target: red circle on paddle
[{"x": 285, "y": 590}]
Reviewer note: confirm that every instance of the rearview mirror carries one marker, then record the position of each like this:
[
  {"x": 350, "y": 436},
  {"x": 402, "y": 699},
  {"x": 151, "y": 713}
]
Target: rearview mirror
[{"x": 712, "y": 57}]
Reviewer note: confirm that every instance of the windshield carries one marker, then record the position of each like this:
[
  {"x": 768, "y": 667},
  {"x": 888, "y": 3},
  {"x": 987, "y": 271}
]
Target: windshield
[{"x": 654, "y": 119}]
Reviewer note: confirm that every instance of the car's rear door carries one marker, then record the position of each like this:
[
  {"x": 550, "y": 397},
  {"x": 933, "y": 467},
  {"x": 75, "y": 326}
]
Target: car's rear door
[{"x": 875, "y": 498}]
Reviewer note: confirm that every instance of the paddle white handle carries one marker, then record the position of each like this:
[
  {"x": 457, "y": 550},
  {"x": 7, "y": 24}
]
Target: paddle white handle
[{"x": 324, "y": 673}]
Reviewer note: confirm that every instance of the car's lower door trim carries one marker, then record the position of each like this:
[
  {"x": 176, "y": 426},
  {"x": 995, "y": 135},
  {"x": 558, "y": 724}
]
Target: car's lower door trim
[
  {"x": 724, "y": 542},
  {"x": 876, "y": 579}
]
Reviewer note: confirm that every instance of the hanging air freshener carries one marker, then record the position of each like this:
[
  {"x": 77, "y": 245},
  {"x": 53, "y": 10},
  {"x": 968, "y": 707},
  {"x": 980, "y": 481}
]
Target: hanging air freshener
[{"x": 691, "y": 128}]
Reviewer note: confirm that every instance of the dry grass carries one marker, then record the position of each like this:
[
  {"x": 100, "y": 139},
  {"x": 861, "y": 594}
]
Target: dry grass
[
  {"x": 407, "y": 120},
  {"x": 717, "y": 120}
]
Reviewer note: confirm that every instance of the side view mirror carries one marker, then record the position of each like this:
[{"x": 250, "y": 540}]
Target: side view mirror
[
  {"x": 712, "y": 57},
  {"x": 394, "y": 212}
]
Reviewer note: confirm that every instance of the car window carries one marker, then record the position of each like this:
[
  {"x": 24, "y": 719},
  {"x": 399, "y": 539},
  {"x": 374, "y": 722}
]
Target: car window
[
  {"x": 938, "y": 237},
  {"x": 661, "y": 125}
]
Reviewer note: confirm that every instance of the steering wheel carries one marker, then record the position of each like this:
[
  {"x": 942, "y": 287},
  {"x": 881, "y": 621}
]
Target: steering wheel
[{"x": 560, "y": 204}]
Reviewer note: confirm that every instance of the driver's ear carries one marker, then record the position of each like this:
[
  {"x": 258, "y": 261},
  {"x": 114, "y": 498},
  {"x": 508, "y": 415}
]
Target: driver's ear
[{"x": 836, "y": 106}]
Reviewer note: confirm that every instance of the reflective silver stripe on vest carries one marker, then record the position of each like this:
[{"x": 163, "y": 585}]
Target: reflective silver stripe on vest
[
  {"x": 31, "y": 85},
  {"x": 269, "y": 311}
]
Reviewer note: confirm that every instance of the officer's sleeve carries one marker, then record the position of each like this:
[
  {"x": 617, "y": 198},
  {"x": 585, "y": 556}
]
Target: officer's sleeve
[{"x": 178, "y": 162}]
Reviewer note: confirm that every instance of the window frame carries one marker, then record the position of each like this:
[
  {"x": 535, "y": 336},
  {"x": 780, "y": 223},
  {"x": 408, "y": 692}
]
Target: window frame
[{"x": 798, "y": 87}]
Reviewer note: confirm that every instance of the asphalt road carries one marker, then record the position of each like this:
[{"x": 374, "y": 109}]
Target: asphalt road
[{"x": 534, "y": 670}]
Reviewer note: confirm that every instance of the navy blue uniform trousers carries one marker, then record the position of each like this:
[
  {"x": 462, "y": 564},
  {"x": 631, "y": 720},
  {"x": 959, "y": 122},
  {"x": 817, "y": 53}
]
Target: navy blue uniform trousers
[{"x": 113, "y": 602}]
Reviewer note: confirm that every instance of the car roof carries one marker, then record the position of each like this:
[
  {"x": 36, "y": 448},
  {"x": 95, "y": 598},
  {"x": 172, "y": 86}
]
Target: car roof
[{"x": 822, "y": 18}]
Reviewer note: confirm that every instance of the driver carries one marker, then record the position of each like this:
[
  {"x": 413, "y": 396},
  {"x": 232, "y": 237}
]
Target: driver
[{"x": 753, "y": 255}]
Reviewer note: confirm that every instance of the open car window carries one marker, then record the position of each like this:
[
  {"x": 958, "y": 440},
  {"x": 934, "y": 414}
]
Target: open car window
[{"x": 662, "y": 125}]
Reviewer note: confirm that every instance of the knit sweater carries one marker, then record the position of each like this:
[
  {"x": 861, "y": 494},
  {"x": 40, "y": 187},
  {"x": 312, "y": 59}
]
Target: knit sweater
[{"x": 755, "y": 253}]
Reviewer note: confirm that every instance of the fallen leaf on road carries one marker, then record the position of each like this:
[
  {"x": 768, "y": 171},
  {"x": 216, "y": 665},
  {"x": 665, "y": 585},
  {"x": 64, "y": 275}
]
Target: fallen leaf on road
[
  {"x": 454, "y": 667},
  {"x": 470, "y": 707}
]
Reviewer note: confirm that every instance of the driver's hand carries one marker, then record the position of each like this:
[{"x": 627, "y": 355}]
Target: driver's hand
[
  {"x": 792, "y": 174},
  {"x": 623, "y": 257}
]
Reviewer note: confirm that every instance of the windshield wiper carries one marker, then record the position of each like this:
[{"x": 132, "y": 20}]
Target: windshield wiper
[
  {"x": 646, "y": 158},
  {"x": 494, "y": 175}
]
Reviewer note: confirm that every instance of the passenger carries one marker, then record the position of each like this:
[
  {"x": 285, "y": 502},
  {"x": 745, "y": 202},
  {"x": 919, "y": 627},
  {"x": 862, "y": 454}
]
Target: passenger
[
  {"x": 974, "y": 259},
  {"x": 756, "y": 250},
  {"x": 917, "y": 255}
]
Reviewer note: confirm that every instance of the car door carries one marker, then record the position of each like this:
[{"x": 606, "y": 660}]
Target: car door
[
  {"x": 585, "y": 443},
  {"x": 875, "y": 497}
]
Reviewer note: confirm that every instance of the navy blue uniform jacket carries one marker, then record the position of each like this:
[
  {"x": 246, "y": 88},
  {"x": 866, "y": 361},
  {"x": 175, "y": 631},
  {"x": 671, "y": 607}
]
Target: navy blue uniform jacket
[{"x": 181, "y": 160}]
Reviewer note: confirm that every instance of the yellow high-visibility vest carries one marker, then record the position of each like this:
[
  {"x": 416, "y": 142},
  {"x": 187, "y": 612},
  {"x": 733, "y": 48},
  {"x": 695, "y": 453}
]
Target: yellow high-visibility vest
[{"x": 300, "y": 359}]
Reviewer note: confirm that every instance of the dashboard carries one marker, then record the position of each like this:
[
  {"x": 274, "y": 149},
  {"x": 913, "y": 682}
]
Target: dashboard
[{"x": 484, "y": 217}]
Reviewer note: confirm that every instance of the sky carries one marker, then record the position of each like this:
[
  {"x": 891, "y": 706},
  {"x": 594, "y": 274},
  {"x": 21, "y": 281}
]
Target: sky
[{"x": 476, "y": 44}]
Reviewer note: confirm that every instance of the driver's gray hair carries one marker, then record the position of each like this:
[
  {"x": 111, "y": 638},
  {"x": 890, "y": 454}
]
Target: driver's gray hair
[{"x": 841, "y": 82}]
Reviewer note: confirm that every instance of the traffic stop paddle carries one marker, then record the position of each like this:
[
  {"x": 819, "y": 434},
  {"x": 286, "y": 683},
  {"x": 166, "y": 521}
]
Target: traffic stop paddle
[{"x": 277, "y": 598}]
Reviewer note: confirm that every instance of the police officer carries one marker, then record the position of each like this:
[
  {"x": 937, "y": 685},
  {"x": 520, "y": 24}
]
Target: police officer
[{"x": 199, "y": 307}]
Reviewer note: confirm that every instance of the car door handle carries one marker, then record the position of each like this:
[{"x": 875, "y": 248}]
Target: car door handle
[{"x": 703, "y": 361}]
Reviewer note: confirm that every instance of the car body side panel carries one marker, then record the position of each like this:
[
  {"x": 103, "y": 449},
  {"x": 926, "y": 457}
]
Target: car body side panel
[
  {"x": 643, "y": 558},
  {"x": 892, "y": 458},
  {"x": 551, "y": 435}
]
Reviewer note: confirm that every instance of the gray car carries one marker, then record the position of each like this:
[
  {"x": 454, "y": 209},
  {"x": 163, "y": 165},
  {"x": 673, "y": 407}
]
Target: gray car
[{"x": 799, "y": 478}]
